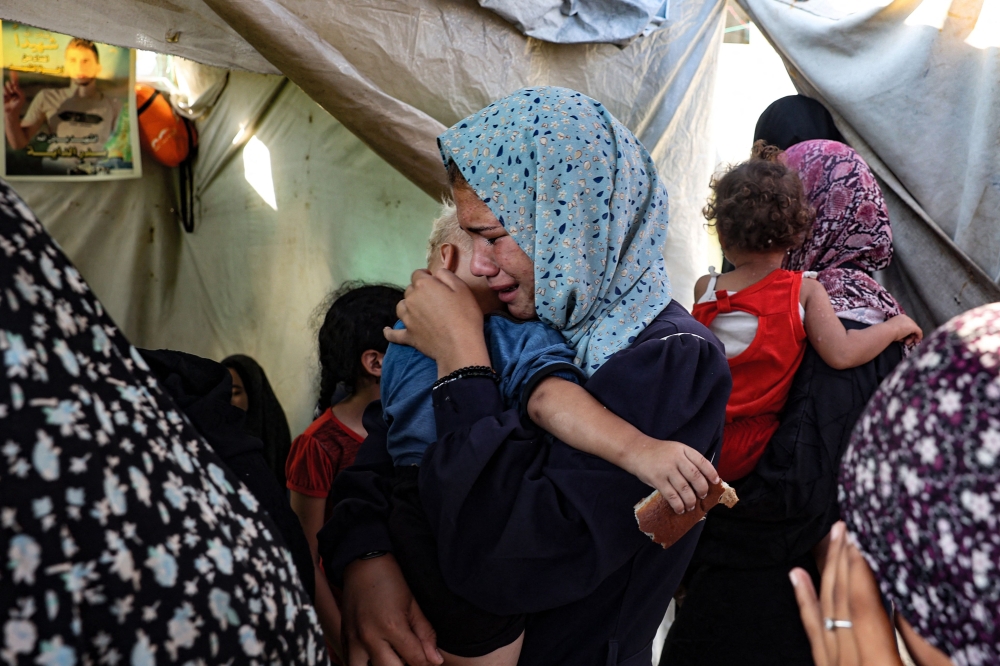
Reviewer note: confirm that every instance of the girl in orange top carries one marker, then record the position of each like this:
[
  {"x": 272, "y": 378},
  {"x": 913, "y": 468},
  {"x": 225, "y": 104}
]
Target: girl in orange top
[{"x": 764, "y": 314}]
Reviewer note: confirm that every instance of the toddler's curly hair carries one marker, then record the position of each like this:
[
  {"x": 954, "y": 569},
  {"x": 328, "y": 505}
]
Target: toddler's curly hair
[{"x": 759, "y": 205}]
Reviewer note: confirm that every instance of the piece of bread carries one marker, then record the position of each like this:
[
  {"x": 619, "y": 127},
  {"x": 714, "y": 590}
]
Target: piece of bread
[{"x": 659, "y": 522}]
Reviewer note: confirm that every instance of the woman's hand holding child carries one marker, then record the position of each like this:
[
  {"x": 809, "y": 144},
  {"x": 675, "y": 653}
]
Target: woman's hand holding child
[{"x": 443, "y": 321}]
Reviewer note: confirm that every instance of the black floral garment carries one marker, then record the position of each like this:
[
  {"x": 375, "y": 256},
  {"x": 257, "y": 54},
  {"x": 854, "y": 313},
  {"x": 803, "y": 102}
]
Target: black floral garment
[{"x": 123, "y": 539}]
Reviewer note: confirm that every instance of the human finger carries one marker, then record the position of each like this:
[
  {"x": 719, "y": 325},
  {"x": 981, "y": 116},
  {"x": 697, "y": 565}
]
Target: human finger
[
  {"x": 810, "y": 613},
  {"x": 407, "y": 649},
  {"x": 828, "y": 585},
  {"x": 425, "y": 633},
  {"x": 694, "y": 477},
  {"x": 683, "y": 489},
  {"x": 357, "y": 655},
  {"x": 705, "y": 469},
  {"x": 419, "y": 275},
  {"x": 672, "y": 497},
  {"x": 874, "y": 633},
  {"x": 448, "y": 278},
  {"x": 404, "y": 644},
  {"x": 14, "y": 78},
  {"x": 847, "y": 646},
  {"x": 399, "y": 336},
  {"x": 382, "y": 654}
]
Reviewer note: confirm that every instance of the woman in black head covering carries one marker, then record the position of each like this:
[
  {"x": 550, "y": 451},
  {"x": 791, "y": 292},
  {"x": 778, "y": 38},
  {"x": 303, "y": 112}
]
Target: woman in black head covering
[
  {"x": 265, "y": 418},
  {"x": 794, "y": 119}
]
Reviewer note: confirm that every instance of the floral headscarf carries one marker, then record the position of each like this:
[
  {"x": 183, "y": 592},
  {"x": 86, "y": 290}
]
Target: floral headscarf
[
  {"x": 581, "y": 196},
  {"x": 851, "y": 236},
  {"x": 920, "y": 487}
]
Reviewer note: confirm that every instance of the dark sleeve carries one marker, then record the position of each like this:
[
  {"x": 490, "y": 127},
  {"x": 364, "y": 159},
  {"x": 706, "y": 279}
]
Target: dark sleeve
[
  {"x": 360, "y": 498},
  {"x": 789, "y": 502},
  {"x": 525, "y": 523}
]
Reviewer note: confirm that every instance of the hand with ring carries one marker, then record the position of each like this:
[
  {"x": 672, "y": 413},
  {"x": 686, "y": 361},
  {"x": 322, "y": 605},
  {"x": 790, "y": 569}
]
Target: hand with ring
[{"x": 847, "y": 625}]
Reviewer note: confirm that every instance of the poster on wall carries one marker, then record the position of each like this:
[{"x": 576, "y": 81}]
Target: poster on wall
[{"x": 68, "y": 107}]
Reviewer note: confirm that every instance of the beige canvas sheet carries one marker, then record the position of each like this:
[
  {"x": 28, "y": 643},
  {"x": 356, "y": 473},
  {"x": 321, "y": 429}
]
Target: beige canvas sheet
[
  {"x": 915, "y": 87},
  {"x": 351, "y": 182}
]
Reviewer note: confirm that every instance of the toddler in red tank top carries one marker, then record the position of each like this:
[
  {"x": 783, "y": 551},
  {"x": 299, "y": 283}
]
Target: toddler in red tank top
[{"x": 764, "y": 314}]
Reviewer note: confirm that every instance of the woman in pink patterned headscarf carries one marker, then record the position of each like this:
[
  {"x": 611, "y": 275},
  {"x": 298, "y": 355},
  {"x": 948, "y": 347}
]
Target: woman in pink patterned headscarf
[{"x": 851, "y": 237}]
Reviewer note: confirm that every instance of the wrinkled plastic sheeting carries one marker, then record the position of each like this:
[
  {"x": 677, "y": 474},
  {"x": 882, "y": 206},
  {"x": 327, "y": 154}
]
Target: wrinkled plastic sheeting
[
  {"x": 198, "y": 87},
  {"x": 397, "y": 71},
  {"x": 581, "y": 21},
  {"x": 917, "y": 84},
  {"x": 186, "y": 28},
  {"x": 394, "y": 73}
]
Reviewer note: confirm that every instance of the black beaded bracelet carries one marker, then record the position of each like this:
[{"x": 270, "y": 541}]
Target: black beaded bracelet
[{"x": 469, "y": 371}]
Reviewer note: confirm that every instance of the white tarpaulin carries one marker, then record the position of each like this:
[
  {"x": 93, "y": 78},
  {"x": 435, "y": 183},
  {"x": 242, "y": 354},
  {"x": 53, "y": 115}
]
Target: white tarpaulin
[
  {"x": 915, "y": 87},
  {"x": 394, "y": 74},
  {"x": 580, "y": 21}
]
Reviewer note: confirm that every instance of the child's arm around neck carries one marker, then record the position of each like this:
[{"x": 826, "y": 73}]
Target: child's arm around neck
[
  {"x": 570, "y": 413},
  {"x": 842, "y": 348}
]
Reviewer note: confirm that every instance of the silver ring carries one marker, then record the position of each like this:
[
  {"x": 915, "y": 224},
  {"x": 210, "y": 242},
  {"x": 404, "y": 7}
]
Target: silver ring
[{"x": 830, "y": 624}]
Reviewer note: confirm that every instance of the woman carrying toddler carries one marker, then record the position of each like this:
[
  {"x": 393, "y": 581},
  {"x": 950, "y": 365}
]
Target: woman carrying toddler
[
  {"x": 788, "y": 499},
  {"x": 763, "y": 313},
  {"x": 568, "y": 220},
  {"x": 522, "y": 354}
]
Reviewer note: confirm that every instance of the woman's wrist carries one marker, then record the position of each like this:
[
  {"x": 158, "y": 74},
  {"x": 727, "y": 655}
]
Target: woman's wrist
[{"x": 463, "y": 354}]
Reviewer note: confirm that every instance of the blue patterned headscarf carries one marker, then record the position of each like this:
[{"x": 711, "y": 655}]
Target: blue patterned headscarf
[{"x": 581, "y": 196}]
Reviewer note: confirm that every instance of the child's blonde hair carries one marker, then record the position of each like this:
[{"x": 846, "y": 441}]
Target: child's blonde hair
[{"x": 445, "y": 229}]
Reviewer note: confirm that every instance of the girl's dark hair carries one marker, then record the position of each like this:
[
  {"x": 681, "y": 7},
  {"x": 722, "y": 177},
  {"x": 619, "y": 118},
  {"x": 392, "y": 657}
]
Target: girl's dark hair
[
  {"x": 353, "y": 324},
  {"x": 759, "y": 204}
]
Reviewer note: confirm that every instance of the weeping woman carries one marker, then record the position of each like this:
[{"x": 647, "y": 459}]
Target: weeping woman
[{"x": 569, "y": 218}]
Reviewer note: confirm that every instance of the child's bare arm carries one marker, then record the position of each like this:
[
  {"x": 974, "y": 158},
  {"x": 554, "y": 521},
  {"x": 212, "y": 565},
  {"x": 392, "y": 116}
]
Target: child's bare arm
[
  {"x": 842, "y": 348},
  {"x": 701, "y": 286},
  {"x": 568, "y": 411}
]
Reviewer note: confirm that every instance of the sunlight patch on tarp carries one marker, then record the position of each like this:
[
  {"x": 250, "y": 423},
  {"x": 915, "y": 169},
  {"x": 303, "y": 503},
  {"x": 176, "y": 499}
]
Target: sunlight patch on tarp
[
  {"x": 986, "y": 34},
  {"x": 240, "y": 134},
  {"x": 931, "y": 13},
  {"x": 257, "y": 170}
]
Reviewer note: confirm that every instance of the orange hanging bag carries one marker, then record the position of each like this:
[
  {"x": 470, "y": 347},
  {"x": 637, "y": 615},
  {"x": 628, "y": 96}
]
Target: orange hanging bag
[{"x": 168, "y": 138}]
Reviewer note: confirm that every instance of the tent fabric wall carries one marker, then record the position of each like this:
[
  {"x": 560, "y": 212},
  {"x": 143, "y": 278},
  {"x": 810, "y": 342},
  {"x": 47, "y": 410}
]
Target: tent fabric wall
[
  {"x": 914, "y": 86},
  {"x": 250, "y": 278},
  {"x": 187, "y": 28},
  {"x": 581, "y": 21},
  {"x": 396, "y": 72},
  {"x": 393, "y": 72}
]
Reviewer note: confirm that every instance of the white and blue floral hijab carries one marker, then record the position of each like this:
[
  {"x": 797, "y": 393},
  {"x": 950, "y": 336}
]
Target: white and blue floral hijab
[{"x": 581, "y": 196}]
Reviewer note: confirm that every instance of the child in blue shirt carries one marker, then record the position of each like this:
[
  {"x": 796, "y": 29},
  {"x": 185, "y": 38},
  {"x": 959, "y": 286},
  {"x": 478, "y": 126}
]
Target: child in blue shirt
[{"x": 523, "y": 354}]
